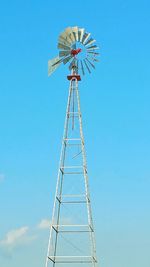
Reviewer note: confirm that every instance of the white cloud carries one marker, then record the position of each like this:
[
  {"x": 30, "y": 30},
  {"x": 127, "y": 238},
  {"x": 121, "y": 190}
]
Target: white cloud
[
  {"x": 15, "y": 237},
  {"x": 24, "y": 235},
  {"x": 44, "y": 224}
]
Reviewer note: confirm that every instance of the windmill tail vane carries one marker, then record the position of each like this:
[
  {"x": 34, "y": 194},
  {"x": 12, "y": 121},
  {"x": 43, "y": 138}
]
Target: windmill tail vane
[{"x": 76, "y": 47}]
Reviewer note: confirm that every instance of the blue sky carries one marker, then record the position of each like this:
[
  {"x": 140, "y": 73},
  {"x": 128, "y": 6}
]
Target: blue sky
[{"x": 116, "y": 120}]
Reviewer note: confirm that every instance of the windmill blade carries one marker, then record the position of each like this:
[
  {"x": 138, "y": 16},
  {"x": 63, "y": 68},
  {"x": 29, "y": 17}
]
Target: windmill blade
[
  {"x": 75, "y": 32},
  {"x": 93, "y": 58},
  {"x": 96, "y": 60},
  {"x": 63, "y": 38},
  {"x": 79, "y": 34},
  {"x": 63, "y": 41},
  {"x": 93, "y": 47},
  {"x": 94, "y": 53},
  {"x": 90, "y": 63},
  {"x": 71, "y": 35},
  {"x": 53, "y": 64},
  {"x": 82, "y": 68},
  {"x": 74, "y": 35},
  {"x": 66, "y": 37},
  {"x": 87, "y": 66},
  {"x": 86, "y": 38},
  {"x": 68, "y": 32},
  {"x": 90, "y": 41},
  {"x": 65, "y": 60},
  {"x": 62, "y": 46},
  {"x": 82, "y": 33},
  {"x": 64, "y": 53}
]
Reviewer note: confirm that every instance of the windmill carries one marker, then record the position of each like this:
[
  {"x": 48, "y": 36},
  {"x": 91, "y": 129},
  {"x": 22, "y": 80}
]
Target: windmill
[{"x": 72, "y": 237}]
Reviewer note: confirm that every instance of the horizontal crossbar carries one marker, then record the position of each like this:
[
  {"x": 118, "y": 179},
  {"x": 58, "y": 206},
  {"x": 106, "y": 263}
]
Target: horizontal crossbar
[
  {"x": 72, "y": 228},
  {"x": 72, "y": 259},
  {"x": 71, "y": 201}
]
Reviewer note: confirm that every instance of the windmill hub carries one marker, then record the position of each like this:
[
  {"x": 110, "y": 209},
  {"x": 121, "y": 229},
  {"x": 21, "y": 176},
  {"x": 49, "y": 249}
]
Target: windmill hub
[{"x": 75, "y": 52}]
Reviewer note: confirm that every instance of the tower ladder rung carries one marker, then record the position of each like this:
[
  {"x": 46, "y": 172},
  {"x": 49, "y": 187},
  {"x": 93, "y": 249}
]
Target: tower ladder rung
[
  {"x": 72, "y": 139},
  {"x": 74, "y": 228},
  {"x": 72, "y": 259}
]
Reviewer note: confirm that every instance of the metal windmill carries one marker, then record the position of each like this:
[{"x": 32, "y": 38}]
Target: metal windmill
[{"x": 72, "y": 237}]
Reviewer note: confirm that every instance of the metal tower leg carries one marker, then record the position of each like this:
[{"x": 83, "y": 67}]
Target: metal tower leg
[{"x": 67, "y": 235}]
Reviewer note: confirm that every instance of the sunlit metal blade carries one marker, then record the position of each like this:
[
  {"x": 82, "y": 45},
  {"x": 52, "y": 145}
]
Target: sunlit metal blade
[
  {"x": 90, "y": 41},
  {"x": 93, "y": 58},
  {"x": 96, "y": 60},
  {"x": 88, "y": 35},
  {"x": 63, "y": 41},
  {"x": 84, "y": 36},
  {"x": 82, "y": 68},
  {"x": 62, "y": 46},
  {"x": 53, "y": 64},
  {"x": 87, "y": 66},
  {"x": 71, "y": 35},
  {"x": 79, "y": 34},
  {"x": 74, "y": 35},
  {"x": 64, "y": 38},
  {"x": 60, "y": 41},
  {"x": 68, "y": 32},
  {"x": 94, "y": 53},
  {"x": 90, "y": 63},
  {"x": 93, "y": 47},
  {"x": 75, "y": 32},
  {"x": 67, "y": 59},
  {"x": 64, "y": 53},
  {"x": 82, "y": 33}
]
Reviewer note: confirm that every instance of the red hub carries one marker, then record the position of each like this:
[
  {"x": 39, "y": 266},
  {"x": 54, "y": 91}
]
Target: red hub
[{"x": 75, "y": 52}]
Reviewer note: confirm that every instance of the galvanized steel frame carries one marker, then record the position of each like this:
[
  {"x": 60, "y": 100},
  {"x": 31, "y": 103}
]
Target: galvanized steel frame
[{"x": 73, "y": 88}]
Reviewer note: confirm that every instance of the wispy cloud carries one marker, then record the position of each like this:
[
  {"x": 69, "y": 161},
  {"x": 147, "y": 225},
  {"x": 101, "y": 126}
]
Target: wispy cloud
[
  {"x": 44, "y": 224},
  {"x": 14, "y": 237},
  {"x": 25, "y": 235},
  {"x": 17, "y": 237}
]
